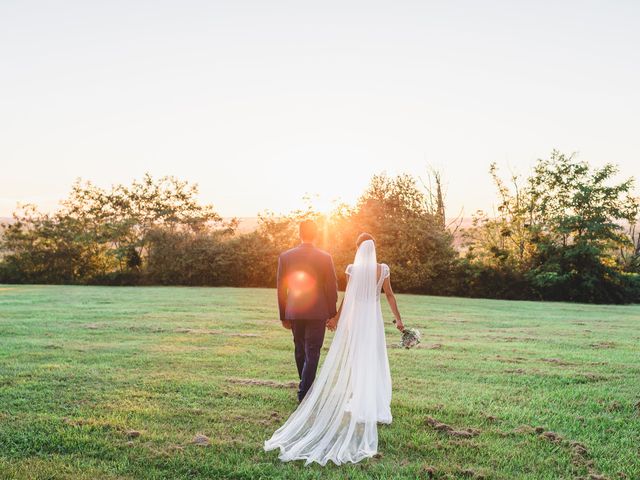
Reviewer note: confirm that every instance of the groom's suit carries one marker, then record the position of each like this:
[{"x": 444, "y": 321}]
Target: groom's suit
[{"x": 307, "y": 296}]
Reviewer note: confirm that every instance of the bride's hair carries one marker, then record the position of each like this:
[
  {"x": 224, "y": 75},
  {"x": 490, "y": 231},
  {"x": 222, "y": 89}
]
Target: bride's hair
[{"x": 363, "y": 237}]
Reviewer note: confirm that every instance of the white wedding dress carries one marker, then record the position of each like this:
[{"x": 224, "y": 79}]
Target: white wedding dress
[{"x": 337, "y": 420}]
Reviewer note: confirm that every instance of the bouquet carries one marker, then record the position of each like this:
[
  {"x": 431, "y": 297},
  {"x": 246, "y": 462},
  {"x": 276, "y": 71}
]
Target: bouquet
[{"x": 410, "y": 337}]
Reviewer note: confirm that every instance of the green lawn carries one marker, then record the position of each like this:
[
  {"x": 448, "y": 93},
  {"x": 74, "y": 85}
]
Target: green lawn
[{"x": 100, "y": 382}]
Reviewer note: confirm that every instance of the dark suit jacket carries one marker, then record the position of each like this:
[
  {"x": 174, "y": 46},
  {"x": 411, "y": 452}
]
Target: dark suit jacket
[{"x": 307, "y": 286}]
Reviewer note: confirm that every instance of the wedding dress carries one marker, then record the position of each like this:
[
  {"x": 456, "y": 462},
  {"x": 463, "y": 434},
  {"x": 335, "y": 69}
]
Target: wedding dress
[{"x": 337, "y": 420}]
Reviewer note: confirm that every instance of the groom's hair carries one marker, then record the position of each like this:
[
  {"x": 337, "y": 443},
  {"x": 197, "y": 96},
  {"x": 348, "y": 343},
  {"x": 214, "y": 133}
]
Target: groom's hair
[
  {"x": 363, "y": 237},
  {"x": 308, "y": 230}
]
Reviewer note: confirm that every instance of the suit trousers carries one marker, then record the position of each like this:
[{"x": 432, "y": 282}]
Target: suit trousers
[{"x": 308, "y": 336}]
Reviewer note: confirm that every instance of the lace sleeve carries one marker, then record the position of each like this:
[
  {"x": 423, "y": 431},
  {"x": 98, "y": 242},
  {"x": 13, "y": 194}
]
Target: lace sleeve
[
  {"x": 348, "y": 270},
  {"x": 386, "y": 272}
]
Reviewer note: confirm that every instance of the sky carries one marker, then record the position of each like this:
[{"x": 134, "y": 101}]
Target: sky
[{"x": 261, "y": 103}]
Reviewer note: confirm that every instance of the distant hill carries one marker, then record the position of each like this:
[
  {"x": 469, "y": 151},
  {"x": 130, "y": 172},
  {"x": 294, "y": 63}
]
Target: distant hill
[
  {"x": 246, "y": 225},
  {"x": 250, "y": 224},
  {"x": 6, "y": 220}
]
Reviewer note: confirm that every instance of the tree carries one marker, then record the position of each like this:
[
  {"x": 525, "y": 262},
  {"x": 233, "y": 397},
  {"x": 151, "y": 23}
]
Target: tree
[
  {"x": 561, "y": 230},
  {"x": 50, "y": 248},
  {"x": 434, "y": 196},
  {"x": 100, "y": 233},
  {"x": 125, "y": 214},
  {"x": 503, "y": 240},
  {"x": 577, "y": 216},
  {"x": 630, "y": 253},
  {"x": 410, "y": 238}
]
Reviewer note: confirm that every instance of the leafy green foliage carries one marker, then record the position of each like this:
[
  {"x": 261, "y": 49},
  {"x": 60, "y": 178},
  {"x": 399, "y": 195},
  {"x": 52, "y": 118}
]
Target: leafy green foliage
[
  {"x": 100, "y": 236},
  {"x": 410, "y": 239},
  {"x": 567, "y": 231},
  {"x": 58, "y": 248},
  {"x": 563, "y": 231}
]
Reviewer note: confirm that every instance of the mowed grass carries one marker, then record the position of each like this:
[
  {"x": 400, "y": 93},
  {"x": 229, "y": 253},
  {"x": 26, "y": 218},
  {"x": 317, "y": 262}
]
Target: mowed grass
[{"x": 105, "y": 383}]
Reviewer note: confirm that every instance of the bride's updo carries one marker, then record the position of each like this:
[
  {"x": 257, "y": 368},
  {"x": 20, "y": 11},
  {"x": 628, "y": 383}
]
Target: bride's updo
[{"x": 363, "y": 237}]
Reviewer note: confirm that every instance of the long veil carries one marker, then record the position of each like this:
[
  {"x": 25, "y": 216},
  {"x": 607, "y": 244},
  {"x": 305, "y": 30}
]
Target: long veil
[{"x": 337, "y": 420}]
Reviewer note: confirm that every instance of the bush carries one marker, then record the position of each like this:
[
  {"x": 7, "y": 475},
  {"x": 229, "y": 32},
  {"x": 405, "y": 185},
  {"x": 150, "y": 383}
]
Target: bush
[{"x": 485, "y": 281}]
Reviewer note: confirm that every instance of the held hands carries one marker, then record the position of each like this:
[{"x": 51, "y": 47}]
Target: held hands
[
  {"x": 332, "y": 323},
  {"x": 286, "y": 324}
]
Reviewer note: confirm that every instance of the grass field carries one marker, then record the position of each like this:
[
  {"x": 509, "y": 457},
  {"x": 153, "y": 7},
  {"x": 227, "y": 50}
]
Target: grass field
[{"x": 105, "y": 383}]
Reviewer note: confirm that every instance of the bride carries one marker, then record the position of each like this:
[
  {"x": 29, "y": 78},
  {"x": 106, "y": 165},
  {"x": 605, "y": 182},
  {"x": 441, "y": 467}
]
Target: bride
[{"x": 337, "y": 420}]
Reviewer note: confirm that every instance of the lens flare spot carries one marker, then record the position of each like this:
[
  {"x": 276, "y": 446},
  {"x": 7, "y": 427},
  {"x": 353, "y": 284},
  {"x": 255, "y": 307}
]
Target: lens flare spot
[
  {"x": 301, "y": 282},
  {"x": 302, "y": 287}
]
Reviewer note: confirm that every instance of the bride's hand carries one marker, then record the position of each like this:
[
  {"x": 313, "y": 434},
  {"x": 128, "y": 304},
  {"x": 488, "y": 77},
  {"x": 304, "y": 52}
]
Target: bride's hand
[
  {"x": 399, "y": 325},
  {"x": 332, "y": 323}
]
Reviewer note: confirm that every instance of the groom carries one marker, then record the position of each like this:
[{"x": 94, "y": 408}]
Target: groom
[{"x": 307, "y": 296}]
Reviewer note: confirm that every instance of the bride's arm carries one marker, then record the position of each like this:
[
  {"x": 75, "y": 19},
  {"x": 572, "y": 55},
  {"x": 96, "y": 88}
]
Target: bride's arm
[
  {"x": 332, "y": 323},
  {"x": 391, "y": 298}
]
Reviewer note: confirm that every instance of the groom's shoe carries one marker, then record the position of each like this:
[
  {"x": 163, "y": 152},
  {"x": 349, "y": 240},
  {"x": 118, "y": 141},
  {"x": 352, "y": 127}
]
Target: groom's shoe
[{"x": 301, "y": 396}]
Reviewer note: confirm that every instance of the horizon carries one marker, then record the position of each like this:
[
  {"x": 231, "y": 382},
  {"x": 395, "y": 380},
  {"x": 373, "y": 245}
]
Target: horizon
[{"x": 261, "y": 105}]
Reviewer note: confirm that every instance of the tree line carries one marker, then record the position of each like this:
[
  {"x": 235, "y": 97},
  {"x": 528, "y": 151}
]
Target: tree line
[{"x": 566, "y": 231}]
